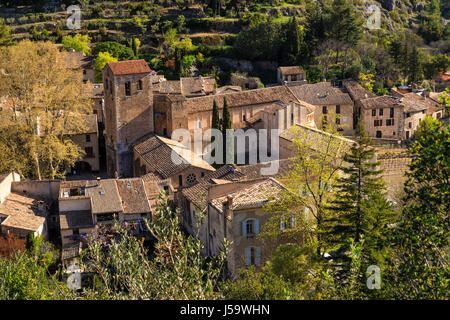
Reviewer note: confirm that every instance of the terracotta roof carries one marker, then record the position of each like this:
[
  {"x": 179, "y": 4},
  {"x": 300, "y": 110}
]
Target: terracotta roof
[
  {"x": 23, "y": 212},
  {"x": 380, "y": 102},
  {"x": 254, "y": 196},
  {"x": 238, "y": 99},
  {"x": 171, "y": 86},
  {"x": 159, "y": 154},
  {"x": 129, "y": 67},
  {"x": 133, "y": 196},
  {"x": 76, "y": 219},
  {"x": 356, "y": 91},
  {"x": 290, "y": 70},
  {"x": 78, "y": 60},
  {"x": 320, "y": 94}
]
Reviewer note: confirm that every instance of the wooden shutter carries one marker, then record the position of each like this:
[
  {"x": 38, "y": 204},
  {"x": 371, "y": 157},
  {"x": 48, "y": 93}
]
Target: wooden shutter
[
  {"x": 244, "y": 229},
  {"x": 258, "y": 256},
  {"x": 256, "y": 226},
  {"x": 248, "y": 258}
]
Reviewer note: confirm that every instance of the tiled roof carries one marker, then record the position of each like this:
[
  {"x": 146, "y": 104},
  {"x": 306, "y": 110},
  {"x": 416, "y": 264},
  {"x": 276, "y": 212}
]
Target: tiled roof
[
  {"x": 197, "y": 85},
  {"x": 238, "y": 99},
  {"x": 170, "y": 86},
  {"x": 157, "y": 152},
  {"x": 320, "y": 94},
  {"x": 253, "y": 171},
  {"x": 78, "y": 60},
  {"x": 413, "y": 102},
  {"x": 76, "y": 219},
  {"x": 356, "y": 91},
  {"x": 290, "y": 70},
  {"x": 380, "y": 102},
  {"x": 318, "y": 139},
  {"x": 254, "y": 196},
  {"x": 129, "y": 67},
  {"x": 197, "y": 194},
  {"x": 22, "y": 212},
  {"x": 133, "y": 196}
]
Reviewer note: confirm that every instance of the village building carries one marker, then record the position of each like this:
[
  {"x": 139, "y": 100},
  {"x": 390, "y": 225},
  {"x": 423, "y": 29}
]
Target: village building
[
  {"x": 442, "y": 81},
  {"x": 88, "y": 141},
  {"x": 291, "y": 74},
  {"x": 332, "y": 105},
  {"x": 80, "y": 62},
  {"x": 97, "y": 97},
  {"x": 20, "y": 213}
]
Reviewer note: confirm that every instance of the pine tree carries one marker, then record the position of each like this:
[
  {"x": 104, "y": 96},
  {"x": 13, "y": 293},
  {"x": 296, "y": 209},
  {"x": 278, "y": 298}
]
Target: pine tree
[
  {"x": 5, "y": 35},
  {"x": 228, "y": 143},
  {"x": 360, "y": 209}
]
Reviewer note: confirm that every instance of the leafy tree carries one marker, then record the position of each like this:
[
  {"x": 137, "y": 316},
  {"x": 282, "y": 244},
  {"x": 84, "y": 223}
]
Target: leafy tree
[
  {"x": 79, "y": 42},
  {"x": 48, "y": 101},
  {"x": 5, "y": 34},
  {"x": 175, "y": 270},
  {"x": 100, "y": 62},
  {"x": 115, "y": 49},
  {"x": 419, "y": 264}
]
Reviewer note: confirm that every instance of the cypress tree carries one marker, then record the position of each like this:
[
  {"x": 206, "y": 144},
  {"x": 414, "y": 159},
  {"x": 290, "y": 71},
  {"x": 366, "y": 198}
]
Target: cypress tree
[
  {"x": 215, "y": 124},
  {"x": 228, "y": 145},
  {"x": 293, "y": 42},
  {"x": 415, "y": 70}
]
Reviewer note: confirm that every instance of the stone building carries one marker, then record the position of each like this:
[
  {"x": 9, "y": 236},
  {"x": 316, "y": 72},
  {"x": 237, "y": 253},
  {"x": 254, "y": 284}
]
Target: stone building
[
  {"x": 88, "y": 142},
  {"x": 128, "y": 111},
  {"x": 291, "y": 73},
  {"x": 331, "y": 105},
  {"x": 21, "y": 213},
  {"x": 79, "y": 61}
]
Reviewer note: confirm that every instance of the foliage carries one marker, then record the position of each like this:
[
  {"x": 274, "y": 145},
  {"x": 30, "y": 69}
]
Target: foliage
[
  {"x": 47, "y": 101},
  {"x": 5, "y": 34},
  {"x": 79, "y": 42},
  {"x": 115, "y": 49},
  {"x": 175, "y": 270},
  {"x": 419, "y": 264},
  {"x": 103, "y": 58}
]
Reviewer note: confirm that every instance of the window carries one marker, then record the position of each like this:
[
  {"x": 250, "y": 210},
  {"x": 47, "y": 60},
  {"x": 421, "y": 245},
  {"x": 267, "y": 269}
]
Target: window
[
  {"x": 89, "y": 152},
  {"x": 250, "y": 227},
  {"x": 244, "y": 118},
  {"x": 288, "y": 222},
  {"x": 140, "y": 85},
  {"x": 338, "y": 109},
  {"x": 381, "y": 112},
  {"x": 76, "y": 231},
  {"x": 84, "y": 72},
  {"x": 88, "y": 138},
  {"x": 199, "y": 124},
  {"x": 292, "y": 119},
  {"x": 253, "y": 256},
  {"x": 127, "y": 88},
  {"x": 409, "y": 125},
  {"x": 324, "y": 110},
  {"x": 180, "y": 180},
  {"x": 391, "y": 113},
  {"x": 389, "y": 122},
  {"x": 191, "y": 179},
  {"x": 374, "y": 113},
  {"x": 165, "y": 132}
]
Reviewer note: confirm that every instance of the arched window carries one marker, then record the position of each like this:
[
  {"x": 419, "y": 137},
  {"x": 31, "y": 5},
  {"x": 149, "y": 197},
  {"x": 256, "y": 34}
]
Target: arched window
[{"x": 250, "y": 227}]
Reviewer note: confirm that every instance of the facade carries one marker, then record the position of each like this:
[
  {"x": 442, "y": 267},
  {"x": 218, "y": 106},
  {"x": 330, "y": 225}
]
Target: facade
[
  {"x": 88, "y": 142},
  {"x": 79, "y": 61}
]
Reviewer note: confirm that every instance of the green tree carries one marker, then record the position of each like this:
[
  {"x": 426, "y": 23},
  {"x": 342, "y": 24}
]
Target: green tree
[
  {"x": 5, "y": 34},
  {"x": 215, "y": 124},
  {"x": 79, "y": 42},
  {"x": 100, "y": 62},
  {"x": 115, "y": 49},
  {"x": 419, "y": 264},
  {"x": 228, "y": 140},
  {"x": 293, "y": 42},
  {"x": 359, "y": 208},
  {"x": 415, "y": 69}
]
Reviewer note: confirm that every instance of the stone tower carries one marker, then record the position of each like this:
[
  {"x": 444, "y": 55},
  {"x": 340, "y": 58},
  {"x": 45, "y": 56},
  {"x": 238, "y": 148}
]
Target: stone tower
[{"x": 128, "y": 112}]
